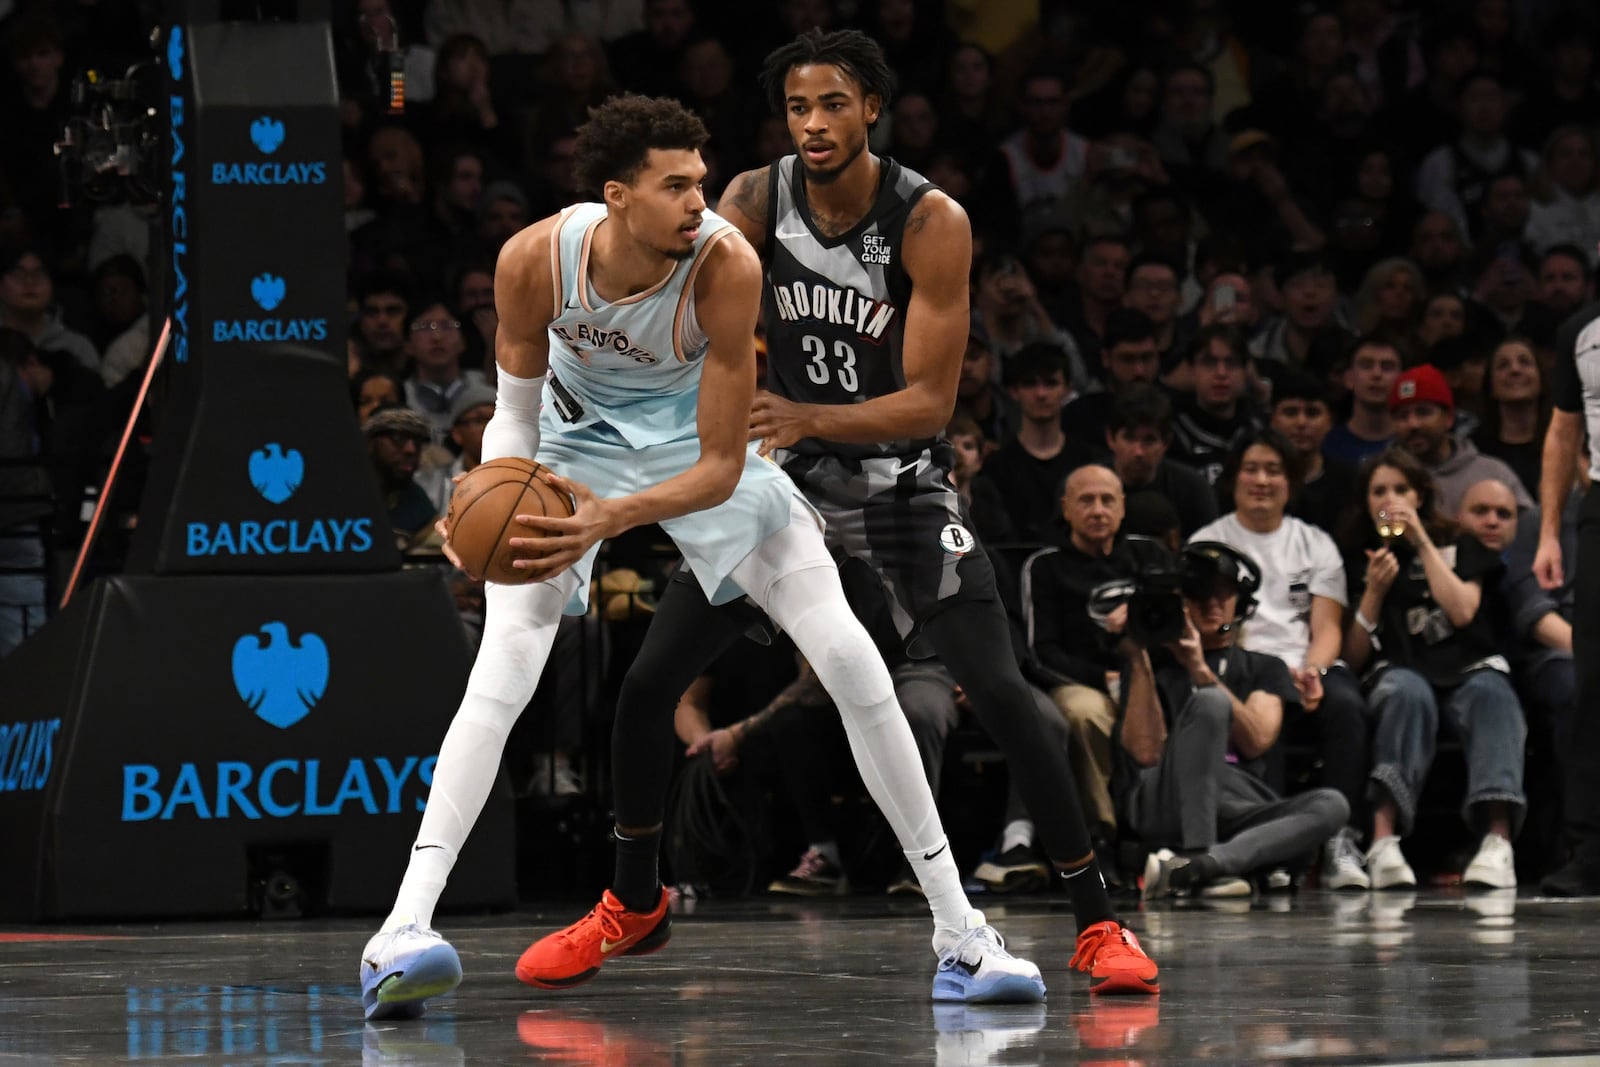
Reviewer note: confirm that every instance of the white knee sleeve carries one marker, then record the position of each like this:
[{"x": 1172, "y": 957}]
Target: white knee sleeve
[
  {"x": 514, "y": 429},
  {"x": 811, "y": 608}
]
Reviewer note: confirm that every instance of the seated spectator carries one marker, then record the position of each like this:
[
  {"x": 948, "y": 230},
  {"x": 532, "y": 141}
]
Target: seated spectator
[
  {"x": 1565, "y": 283},
  {"x": 435, "y": 345},
  {"x": 1029, "y": 470},
  {"x": 1463, "y": 360},
  {"x": 1009, "y": 312},
  {"x": 384, "y": 305},
  {"x": 1310, "y": 303},
  {"x": 27, "y": 304},
  {"x": 1516, "y": 411},
  {"x": 395, "y": 437},
  {"x": 1153, "y": 288},
  {"x": 1198, "y": 728},
  {"x": 1138, "y": 436},
  {"x": 1440, "y": 250},
  {"x": 502, "y": 212},
  {"x": 1566, "y": 202},
  {"x": 1207, "y": 425},
  {"x": 1298, "y": 618},
  {"x": 984, "y": 505},
  {"x": 1056, "y": 584},
  {"x": 1503, "y": 288},
  {"x": 1300, "y": 413},
  {"x": 1454, "y": 178},
  {"x": 646, "y": 60},
  {"x": 980, "y": 397},
  {"x": 374, "y": 389},
  {"x": 1423, "y": 638},
  {"x": 1102, "y": 279},
  {"x": 1128, "y": 357},
  {"x": 1390, "y": 299},
  {"x": 1423, "y": 409},
  {"x": 1037, "y": 166},
  {"x": 470, "y": 412},
  {"x": 124, "y": 320},
  {"x": 1443, "y": 315},
  {"x": 1375, "y": 365}
]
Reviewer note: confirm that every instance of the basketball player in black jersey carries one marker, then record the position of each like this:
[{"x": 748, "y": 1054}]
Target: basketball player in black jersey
[{"x": 866, "y": 314}]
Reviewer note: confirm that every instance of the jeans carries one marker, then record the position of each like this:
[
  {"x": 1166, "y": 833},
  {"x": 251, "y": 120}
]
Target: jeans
[
  {"x": 22, "y": 608},
  {"x": 1484, "y": 713},
  {"x": 1194, "y": 799}
]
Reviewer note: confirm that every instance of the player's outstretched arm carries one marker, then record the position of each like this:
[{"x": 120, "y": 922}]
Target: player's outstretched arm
[{"x": 937, "y": 254}]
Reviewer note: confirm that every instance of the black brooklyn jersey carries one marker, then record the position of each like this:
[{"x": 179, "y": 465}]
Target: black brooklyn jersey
[{"x": 835, "y": 307}]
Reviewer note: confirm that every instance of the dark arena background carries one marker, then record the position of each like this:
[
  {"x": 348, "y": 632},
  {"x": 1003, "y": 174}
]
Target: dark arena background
[{"x": 247, "y": 331}]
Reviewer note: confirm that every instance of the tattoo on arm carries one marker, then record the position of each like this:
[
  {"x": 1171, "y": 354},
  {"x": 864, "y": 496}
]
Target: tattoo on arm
[
  {"x": 750, "y": 196},
  {"x": 918, "y": 219}
]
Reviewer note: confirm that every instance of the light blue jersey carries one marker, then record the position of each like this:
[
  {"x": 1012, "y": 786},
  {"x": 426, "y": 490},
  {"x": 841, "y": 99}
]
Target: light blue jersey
[
  {"x": 632, "y": 363},
  {"x": 620, "y": 410}
]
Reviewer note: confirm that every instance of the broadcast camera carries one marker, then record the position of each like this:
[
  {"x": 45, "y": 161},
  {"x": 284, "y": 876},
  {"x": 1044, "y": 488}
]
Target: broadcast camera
[
  {"x": 110, "y": 148},
  {"x": 1161, "y": 579}
]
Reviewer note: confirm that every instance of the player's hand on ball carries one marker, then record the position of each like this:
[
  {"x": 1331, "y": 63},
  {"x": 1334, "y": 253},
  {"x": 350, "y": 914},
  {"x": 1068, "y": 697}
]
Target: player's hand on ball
[
  {"x": 776, "y": 422},
  {"x": 560, "y": 541},
  {"x": 441, "y": 526}
]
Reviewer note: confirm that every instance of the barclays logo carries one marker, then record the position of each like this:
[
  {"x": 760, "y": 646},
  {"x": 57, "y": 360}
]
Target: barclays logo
[
  {"x": 280, "y": 681},
  {"x": 268, "y": 291},
  {"x": 276, "y": 474},
  {"x": 27, "y": 754},
  {"x": 267, "y": 133},
  {"x": 175, "y": 52}
]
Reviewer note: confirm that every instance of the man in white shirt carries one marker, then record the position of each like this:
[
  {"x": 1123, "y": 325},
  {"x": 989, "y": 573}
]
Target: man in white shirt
[{"x": 1300, "y": 619}]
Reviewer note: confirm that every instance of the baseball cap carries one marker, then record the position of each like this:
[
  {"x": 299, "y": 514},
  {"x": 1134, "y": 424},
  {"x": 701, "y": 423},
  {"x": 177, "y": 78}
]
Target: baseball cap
[
  {"x": 1419, "y": 385},
  {"x": 473, "y": 396}
]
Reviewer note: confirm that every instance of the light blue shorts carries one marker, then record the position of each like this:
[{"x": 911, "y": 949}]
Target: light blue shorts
[{"x": 712, "y": 541}]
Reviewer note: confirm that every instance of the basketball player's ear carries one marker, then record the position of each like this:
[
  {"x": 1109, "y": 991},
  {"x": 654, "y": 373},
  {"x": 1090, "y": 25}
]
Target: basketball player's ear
[
  {"x": 874, "y": 107},
  {"x": 615, "y": 194}
]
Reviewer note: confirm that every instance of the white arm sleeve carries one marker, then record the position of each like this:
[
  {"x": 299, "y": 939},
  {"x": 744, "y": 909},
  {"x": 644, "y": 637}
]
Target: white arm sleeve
[{"x": 514, "y": 429}]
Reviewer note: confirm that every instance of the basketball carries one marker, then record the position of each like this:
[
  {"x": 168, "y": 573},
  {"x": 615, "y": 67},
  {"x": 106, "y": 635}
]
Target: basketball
[{"x": 484, "y": 507}]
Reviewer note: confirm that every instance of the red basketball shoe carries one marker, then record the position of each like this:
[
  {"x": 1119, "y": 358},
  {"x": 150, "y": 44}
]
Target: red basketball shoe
[
  {"x": 1114, "y": 960},
  {"x": 572, "y": 956}
]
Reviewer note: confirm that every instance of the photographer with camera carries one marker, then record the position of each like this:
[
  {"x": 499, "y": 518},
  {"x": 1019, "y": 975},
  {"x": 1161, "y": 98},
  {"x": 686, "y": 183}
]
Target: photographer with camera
[
  {"x": 1299, "y": 619},
  {"x": 1198, "y": 726}
]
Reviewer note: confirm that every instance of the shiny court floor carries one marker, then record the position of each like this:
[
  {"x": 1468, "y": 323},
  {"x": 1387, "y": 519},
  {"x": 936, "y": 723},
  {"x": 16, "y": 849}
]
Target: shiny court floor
[{"x": 1316, "y": 979}]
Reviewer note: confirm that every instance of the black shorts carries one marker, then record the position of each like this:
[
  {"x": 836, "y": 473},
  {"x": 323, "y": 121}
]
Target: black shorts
[{"x": 900, "y": 516}]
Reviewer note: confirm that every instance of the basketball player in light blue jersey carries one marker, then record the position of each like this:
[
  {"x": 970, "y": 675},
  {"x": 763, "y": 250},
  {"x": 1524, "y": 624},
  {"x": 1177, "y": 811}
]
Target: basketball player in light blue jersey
[{"x": 626, "y": 352}]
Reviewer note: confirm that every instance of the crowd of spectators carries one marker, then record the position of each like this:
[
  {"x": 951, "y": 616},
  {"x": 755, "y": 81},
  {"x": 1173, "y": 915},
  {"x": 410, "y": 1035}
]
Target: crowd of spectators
[{"x": 1283, "y": 278}]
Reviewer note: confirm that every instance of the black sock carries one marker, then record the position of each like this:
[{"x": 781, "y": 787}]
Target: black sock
[
  {"x": 1200, "y": 870},
  {"x": 637, "y": 884},
  {"x": 1090, "y": 902}
]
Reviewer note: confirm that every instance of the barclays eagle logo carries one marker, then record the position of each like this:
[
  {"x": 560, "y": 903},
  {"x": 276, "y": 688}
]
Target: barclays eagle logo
[
  {"x": 267, "y": 290},
  {"x": 267, "y": 133},
  {"x": 175, "y": 52},
  {"x": 280, "y": 681},
  {"x": 276, "y": 474}
]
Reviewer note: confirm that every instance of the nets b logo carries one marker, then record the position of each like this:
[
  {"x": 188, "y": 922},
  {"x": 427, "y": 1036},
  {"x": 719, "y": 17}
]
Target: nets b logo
[
  {"x": 276, "y": 474},
  {"x": 268, "y": 291},
  {"x": 267, "y": 133},
  {"x": 955, "y": 540},
  {"x": 279, "y": 680}
]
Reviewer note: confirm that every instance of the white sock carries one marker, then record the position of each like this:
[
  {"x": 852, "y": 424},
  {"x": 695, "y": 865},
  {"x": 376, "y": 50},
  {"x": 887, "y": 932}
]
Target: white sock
[
  {"x": 1018, "y": 834},
  {"x": 810, "y": 606},
  {"x": 519, "y": 630}
]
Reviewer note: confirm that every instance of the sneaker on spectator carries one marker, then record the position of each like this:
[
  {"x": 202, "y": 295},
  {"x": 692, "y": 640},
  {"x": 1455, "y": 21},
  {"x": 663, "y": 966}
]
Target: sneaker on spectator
[
  {"x": 814, "y": 876},
  {"x": 1019, "y": 869},
  {"x": 905, "y": 882},
  {"x": 1576, "y": 879},
  {"x": 1494, "y": 867},
  {"x": 1227, "y": 887},
  {"x": 1158, "y": 868},
  {"x": 1387, "y": 866},
  {"x": 1343, "y": 866},
  {"x": 553, "y": 776},
  {"x": 1277, "y": 880}
]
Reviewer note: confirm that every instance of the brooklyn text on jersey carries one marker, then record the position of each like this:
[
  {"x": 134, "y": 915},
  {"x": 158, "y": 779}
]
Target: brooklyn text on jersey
[{"x": 839, "y": 306}]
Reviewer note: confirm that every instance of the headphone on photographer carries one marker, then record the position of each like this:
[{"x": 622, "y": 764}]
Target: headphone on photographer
[{"x": 1204, "y": 561}]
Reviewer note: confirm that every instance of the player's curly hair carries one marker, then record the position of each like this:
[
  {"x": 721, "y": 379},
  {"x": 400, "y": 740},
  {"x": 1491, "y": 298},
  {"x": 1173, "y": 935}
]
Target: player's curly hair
[
  {"x": 613, "y": 144},
  {"x": 850, "y": 50}
]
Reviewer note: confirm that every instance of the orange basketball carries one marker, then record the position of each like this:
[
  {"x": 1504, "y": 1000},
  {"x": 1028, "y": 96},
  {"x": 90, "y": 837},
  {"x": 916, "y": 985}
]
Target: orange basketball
[{"x": 484, "y": 507}]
